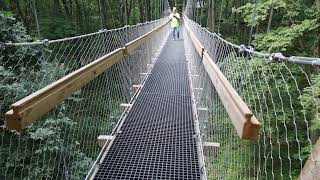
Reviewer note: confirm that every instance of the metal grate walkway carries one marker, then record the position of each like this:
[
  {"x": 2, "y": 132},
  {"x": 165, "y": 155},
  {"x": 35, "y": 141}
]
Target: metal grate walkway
[{"x": 156, "y": 139}]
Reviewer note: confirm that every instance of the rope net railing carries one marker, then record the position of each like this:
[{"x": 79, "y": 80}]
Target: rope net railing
[
  {"x": 282, "y": 95},
  {"x": 62, "y": 143}
]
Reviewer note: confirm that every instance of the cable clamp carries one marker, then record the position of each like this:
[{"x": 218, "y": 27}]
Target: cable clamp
[
  {"x": 44, "y": 42},
  {"x": 242, "y": 48},
  {"x": 251, "y": 48},
  {"x": 2, "y": 45},
  {"x": 103, "y": 30},
  {"x": 276, "y": 56},
  {"x": 316, "y": 62}
]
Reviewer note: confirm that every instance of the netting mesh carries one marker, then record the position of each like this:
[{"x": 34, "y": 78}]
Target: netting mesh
[
  {"x": 63, "y": 143},
  {"x": 283, "y": 96}
]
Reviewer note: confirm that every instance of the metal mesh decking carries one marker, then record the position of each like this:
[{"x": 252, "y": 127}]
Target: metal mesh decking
[{"x": 156, "y": 139}]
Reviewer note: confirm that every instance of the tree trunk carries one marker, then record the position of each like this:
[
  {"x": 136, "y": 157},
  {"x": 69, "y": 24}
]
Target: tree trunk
[
  {"x": 318, "y": 17},
  {"x": 226, "y": 9},
  {"x": 129, "y": 8},
  {"x": 23, "y": 17},
  {"x": 213, "y": 7},
  {"x": 271, "y": 16},
  {"x": 71, "y": 6},
  {"x": 104, "y": 13},
  {"x": 209, "y": 23},
  {"x": 66, "y": 8},
  {"x": 141, "y": 9},
  {"x": 238, "y": 19},
  {"x": 318, "y": 55},
  {"x": 183, "y": 4},
  {"x": 79, "y": 14},
  {"x": 133, "y": 7},
  {"x": 148, "y": 10},
  {"x": 56, "y": 7}
]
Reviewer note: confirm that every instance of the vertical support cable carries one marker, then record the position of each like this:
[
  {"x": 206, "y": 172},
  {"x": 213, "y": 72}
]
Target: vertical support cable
[
  {"x": 33, "y": 6},
  {"x": 254, "y": 13}
]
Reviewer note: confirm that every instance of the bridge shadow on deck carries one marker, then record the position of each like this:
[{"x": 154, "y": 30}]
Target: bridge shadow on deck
[{"x": 156, "y": 139}]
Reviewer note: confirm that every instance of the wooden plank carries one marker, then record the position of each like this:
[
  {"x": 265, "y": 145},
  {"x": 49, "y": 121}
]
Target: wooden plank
[
  {"x": 202, "y": 109},
  {"x": 210, "y": 148},
  {"x": 245, "y": 123},
  {"x": 136, "y": 86},
  {"x": 104, "y": 139},
  {"x": 311, "y": 170},
  {"x": 125, "y": 105},
  {"x": 211, "y": 144}
]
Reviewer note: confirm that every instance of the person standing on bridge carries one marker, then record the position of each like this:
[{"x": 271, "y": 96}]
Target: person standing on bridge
[{"x": 174, "y": 18}]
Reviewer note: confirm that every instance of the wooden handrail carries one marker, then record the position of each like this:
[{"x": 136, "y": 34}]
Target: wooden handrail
[
  {"x": 245, "y": 123},
  {"x": 311, "y": 169},
  {"x": 34, "y": 106}
]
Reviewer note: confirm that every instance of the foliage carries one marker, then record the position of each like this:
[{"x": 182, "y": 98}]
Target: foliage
[
  {"x": 41, "y": 150},
  {"x": 262, "y": 11},
  {"x": 282, "y": 38},
  {"x": 11, "y": 30},
  {"x": 58, "y": 19},
  {"x": 311, "y": 101}
]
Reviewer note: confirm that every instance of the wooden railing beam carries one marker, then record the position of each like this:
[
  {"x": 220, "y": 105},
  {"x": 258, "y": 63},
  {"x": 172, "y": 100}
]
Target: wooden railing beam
[
  {"x": 311, "y": 170},
  {"x": 245, "y": 123},
  {"x": 34, "y": 106}
]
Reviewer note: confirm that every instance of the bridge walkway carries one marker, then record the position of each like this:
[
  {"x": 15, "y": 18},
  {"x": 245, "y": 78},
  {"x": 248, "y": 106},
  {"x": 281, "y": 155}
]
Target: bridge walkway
[{"x": 157, "y": 137}]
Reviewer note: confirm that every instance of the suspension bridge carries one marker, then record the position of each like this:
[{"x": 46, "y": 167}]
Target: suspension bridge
[{"x": 131, "y": 103}]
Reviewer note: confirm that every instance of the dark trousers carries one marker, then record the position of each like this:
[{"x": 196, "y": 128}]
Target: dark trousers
[{"x": 175, "y": 31}]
